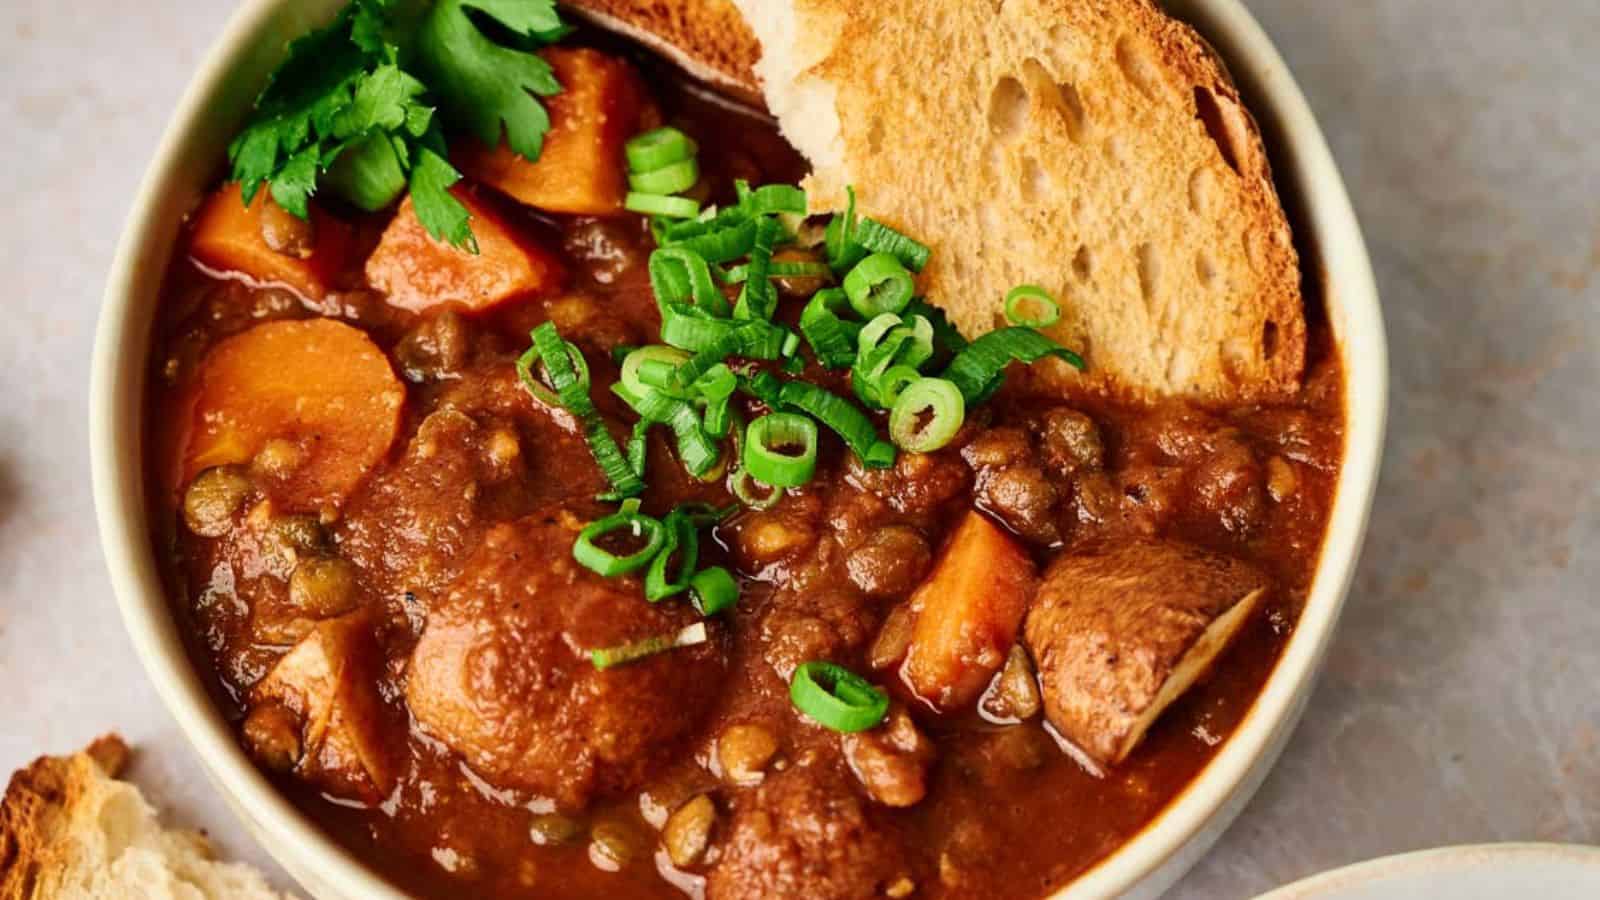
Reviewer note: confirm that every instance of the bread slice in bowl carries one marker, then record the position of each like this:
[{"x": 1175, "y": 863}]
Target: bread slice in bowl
[{"x": 1097, "y": 148}]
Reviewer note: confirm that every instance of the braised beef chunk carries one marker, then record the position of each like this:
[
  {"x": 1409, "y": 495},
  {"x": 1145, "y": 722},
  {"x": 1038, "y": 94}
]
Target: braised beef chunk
[
  {"x": 805, "y": 835},
  {"x": 502, "y": 673},
  {"x": 1120, "y": 633}
]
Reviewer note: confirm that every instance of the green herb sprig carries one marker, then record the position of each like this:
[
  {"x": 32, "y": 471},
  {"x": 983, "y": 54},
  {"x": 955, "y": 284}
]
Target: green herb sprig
[{"x": 356, "y": 106}]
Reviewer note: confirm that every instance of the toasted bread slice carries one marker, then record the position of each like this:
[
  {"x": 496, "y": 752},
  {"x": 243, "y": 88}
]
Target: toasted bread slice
[
  {"x": 70, "y": 831},
  {"x": 1094, "y": 147},
  {"x": 706, "y": 38}
]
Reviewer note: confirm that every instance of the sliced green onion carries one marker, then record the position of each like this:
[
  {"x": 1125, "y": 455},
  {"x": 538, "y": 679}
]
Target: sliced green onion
[
  {"x": 626, "y": 480},
  {"x": 752, "y": 339},
  {"x": 886, "y": 342},
  {"x": 771, "y": 199},
  {"x": 654, "y": 353},
  {"x": 894, "y": 381},
  {"x": 568, "y": 374},
  {"x": 678, "y": 275},
  {"x": 946, "y": 339},
  {"x": 637, "y": 650},
  {"x": 669, "y": 179},
  {"x": 763, "y": 386},
  {"x": 794, "y": 365},
  {"x": 836, "y": 697},
  {"x": 1019, "y": 298},
  {"x": 879, "y": 238},
  {"x": 758, "y": 299},
  {"x": 878, "y": 284},
  {"x": 716, "y": 388},
  {"x": 661, "y": 205},
  {"x": 780, "y": 268},
  {"x": 638, "y": 447},
  {"x": 767, "y": 454},
  {"x": 841, "y": 417},
  {"x": 832, "y": 339},
  {"x": 713, "y": 590},
  {"x": 682, "y": 540},
  {"x": 602, "y": 561},
  {"x": 791, "y": 343},
  {"x": 695, "y": 448},
  {"x": 839, "y": 237},
  {"x": 753, "y": 493},
  {"x": 979, "y": 369},
  {"x": 927, "y": 415},
  {"x": 658, "y": 147},
  {"x": 718, "y": 243}
]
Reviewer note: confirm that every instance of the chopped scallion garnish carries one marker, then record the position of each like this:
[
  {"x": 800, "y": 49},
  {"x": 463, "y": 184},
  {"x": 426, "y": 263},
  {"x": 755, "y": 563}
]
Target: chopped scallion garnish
[
  {"x": 713, "y": 590},
  {"x": 1022, "y": 298},
  {"x": 878, "y": 284},
  {"x": 836, "y": 697},
  {"x": 780, "y": 449},
  {"x": 658, "y": 147},
  {"x": 661, "y": 205},
  {"x": 637, "y": 650},
  {"x": 926, "y": 415},
  {"x": 592, "y": 556}
]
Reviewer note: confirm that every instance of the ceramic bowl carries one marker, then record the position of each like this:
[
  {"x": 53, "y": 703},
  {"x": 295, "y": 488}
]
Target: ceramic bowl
[{"x": 216, "y": 104}]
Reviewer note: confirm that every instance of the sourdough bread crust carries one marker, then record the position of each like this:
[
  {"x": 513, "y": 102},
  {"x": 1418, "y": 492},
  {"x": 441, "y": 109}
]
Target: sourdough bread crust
[
  {"x": 70, "y": 831},
  {"x": 707, "y": 38},
  {"x": 1094, "y": 147}
]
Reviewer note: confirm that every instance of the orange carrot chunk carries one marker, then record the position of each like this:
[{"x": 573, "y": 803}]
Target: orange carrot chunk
[
  {"x": 967, "y": 613},
  {"x": 418, "y": 272},
  {"x": 581, "y": 168},
  {"x": 318, "y": 391},
  {"x": 269, "y": 245}
]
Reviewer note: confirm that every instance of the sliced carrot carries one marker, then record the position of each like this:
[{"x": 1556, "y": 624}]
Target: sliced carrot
[
  {"x": 581, "y": 168},
  {"x": 418, "y": 272},
  {"x": 967, "y": 613},
  {"x": 319, "y": 386},
  {"x": 228, "y": 237}
]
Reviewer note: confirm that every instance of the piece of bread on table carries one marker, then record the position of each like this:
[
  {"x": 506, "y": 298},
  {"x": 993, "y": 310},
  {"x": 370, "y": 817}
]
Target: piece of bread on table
[
  {"x": 1094, "y": 147},
  {"x": 706, "y": 38},
  {"x": 70, "y": 831}
]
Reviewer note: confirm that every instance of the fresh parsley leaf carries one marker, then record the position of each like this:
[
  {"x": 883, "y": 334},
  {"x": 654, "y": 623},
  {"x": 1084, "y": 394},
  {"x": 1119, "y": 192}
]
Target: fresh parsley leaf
[
  {"x": 485, "y": 86},
  {"x": 294, "y": 184},
  {"x": 347, "y": 111},
  {"x": 440, "y": 213}
]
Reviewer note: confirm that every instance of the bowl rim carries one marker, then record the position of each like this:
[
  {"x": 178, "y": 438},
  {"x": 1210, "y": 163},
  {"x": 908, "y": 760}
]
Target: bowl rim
[
  {"x": 1159, "y": 853},
  {"x": 1332, "y": 883}
]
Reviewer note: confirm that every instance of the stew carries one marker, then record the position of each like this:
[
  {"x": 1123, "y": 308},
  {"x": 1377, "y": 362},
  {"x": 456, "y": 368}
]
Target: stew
[{"x": 865, "y": 679}]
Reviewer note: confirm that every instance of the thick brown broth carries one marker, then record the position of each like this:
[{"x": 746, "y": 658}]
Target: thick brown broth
[{"x": 415, "y": 523}]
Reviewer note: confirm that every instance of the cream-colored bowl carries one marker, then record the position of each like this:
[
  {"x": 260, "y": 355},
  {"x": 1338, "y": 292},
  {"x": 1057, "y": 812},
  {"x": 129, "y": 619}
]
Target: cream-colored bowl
[{"x": 188, "y": 158}]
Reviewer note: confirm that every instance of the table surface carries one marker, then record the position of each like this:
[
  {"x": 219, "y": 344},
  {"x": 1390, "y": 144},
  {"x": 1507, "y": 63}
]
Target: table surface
[{"x": 1459, "y": 702}]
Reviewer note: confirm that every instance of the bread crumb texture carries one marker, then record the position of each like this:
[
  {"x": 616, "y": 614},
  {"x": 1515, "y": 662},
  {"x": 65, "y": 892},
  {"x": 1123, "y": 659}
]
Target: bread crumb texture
[
  {"x": 1097, "y": 148},
  {"x": 70, "y": 831}
]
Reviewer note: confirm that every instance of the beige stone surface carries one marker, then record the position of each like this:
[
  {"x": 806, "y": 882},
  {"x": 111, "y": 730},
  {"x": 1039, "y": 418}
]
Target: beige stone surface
[{"x": 1459, "y": 703}]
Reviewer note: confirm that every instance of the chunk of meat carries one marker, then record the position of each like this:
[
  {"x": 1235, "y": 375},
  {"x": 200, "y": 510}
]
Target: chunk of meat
[
  {"x": 418, "y": 272},
  {"x": 502, "y": 673},
  {"x": 329, "y": 683},
  {"x": 232, "y": 237},
  {"x": 581, "y": 168},
  {"x": 891, "y": 761},
  {"x": 967, "y": 614},
  {"x": 1121, "y": 633},
  {"x": 803, "y": 626},
  {"x": 804, "y": 835},
  {"x": 320, "y": 387}
]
